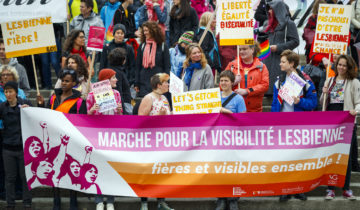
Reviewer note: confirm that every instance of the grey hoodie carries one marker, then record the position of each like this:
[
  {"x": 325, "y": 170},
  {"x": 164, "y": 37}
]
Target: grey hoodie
[
  {"x": 285, "y": 36},
  {"x": 23, "y": 78},
  {"x": 80, "y": 23}
]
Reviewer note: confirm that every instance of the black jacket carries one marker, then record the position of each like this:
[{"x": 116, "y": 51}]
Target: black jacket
[
  {"x": 179, "y": 26},
  {"x": 162, "y": 65},
  {"x": 122, "y": 85},
  {"x": 128, "y": 22},
  {"x": 207, "y": 46},
  {"x": 11, "y": 134},
  {"x": 130, "y": 59},
  {"x": 73, "y": 109}
]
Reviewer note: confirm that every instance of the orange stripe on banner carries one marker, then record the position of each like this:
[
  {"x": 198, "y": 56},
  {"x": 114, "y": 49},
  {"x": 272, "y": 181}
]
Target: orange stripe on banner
[
  {"x": 236, "y": 41},
  {"x": 218, "y": 179},
  {"x": 31, "y": 51},
  {"x": 177, "y": 167},
  {"x": 187, "y": 191}
]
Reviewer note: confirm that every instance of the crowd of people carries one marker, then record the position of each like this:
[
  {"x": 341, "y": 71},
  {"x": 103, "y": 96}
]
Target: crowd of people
[{"x": 145, "y": 41}]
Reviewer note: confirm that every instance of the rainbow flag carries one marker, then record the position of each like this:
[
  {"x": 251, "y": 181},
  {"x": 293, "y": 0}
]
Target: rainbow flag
[{"x": 264, "y": 50}]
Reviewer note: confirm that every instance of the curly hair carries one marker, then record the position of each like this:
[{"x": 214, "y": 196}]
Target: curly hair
[
  {"x": 351, "y": 71},
  {"x": 154, "y": 30},
  {"x": 70, "y": 40},
  {"x": 189, "y": 50},
  {"x": 81, "y": 66}
]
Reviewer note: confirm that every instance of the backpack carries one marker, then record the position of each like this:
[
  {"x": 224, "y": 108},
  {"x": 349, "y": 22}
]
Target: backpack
[{"x": 215, "y": 49}]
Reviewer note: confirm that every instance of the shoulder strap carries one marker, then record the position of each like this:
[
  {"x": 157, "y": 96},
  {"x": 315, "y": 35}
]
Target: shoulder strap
[
  {"x": 78, "y": 105},
  {"x": 229, "y": 99}
]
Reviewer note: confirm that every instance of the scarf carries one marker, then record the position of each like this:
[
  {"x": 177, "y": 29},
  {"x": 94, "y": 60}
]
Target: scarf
[
  {"x": 152, "y": 16},
  {"x": 149, "y": 55},
  {"x": 150, "y": 9},
  {"x": 189, "y": 72},
  {"x": 80, "y": 52}
]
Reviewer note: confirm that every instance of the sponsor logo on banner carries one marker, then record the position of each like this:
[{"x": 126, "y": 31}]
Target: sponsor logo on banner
[
  {"x": 313, "y": 186},
  {"x": 238, "y": 191},
  {"x": 292, "y": 190},
  {"x": 333, "y": 179},
  {"x": 265, "y": 192}
]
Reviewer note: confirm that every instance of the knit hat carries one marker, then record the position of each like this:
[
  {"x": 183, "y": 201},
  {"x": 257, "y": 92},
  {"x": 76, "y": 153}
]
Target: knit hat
[
  {"x": 186, "y": 37},
  {"x": 106, "y": 74},
  {"x": 119, "y": 27},
  {"x": 12, "y": 85}
]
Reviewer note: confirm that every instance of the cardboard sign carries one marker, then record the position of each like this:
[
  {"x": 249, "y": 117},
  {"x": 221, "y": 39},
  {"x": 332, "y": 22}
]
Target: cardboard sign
[
  {"x": 176, "y": 84},
  {"x": 28, "y": 37},
  {"x": 27, "y": 9},
  {"x": 236, "y": 22},
  {"x": 96, "y": 38},
  {"x": 292, "y": 87},
  {"x": 104, "y": 95},
  {"x": 332, "y": 29},
  {"x": 196, "y": 102}
]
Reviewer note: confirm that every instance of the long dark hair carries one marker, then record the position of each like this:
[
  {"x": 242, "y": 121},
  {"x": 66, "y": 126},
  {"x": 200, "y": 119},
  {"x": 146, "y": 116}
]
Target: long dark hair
[
  {"x": 184, "y": 10},
  {"x": 154, "y": 30},
  {"x": 70, "y": 40},
  {"x": 351, "y": 68},
  {"x": 81, "y": 66}
]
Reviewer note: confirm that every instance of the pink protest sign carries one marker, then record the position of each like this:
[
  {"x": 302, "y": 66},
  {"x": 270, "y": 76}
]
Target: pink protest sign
[{"x": 96, "y": 38}]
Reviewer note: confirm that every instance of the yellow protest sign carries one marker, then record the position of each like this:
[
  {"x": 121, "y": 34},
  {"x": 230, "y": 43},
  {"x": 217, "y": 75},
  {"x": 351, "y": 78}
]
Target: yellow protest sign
[
  {"x": 332, "y": 29},
  {"x": 236, "y": 22},
  {"x": 200, "y": 101},
  {"x": 28, "y": 37}
]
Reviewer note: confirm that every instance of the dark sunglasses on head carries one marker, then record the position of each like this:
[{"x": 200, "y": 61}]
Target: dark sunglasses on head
[{"x": 70, "y": 71}]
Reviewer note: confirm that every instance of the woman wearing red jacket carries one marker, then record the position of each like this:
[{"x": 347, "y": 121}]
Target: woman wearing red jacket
[{"x": 252, "y": 75}]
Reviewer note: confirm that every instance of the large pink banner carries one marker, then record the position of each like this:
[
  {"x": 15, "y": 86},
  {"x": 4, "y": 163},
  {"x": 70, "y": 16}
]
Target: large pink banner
[{"x": 200, "y": 155}]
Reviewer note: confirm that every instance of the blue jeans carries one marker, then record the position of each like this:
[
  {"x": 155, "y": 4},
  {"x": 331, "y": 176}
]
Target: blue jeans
[
  {"x": 100, "y": 199},
  {"x": 54, "y": 59}
]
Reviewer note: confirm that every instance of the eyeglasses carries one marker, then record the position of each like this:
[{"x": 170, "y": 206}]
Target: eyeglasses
[
  {"x": 70, "y": 71},
  {"x": 7, "y": 75},
  {"x": 81, "y": 37}
]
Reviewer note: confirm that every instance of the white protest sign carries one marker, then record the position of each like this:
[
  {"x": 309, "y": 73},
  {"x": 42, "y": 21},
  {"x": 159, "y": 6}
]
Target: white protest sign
[
  {"x": 332, "y": 29},
  {"x": 104, "y": 95},
  {"x": 199, "y": 101},
  {"x": 236, "y": 22},
  {"x": 176, "y": 84},
  {"x": 28, "y": 37},
  {"x": 292, "y": 87},
  {"x": 26, "y": 9}
]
